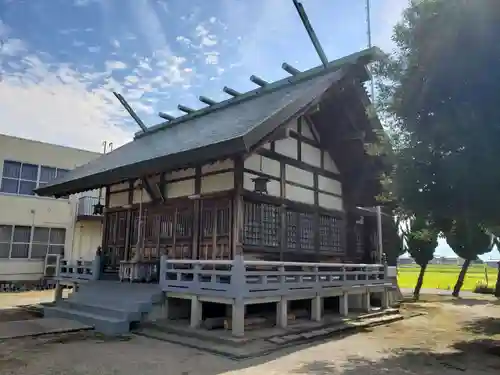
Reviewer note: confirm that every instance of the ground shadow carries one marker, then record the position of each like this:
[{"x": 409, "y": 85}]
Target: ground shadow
[
  {"x": 472, "y": 301},
  {"x": 470, "y": 357},
  {"x": 16, "y": 313},
  {"x": 479, "y": 300},
  {"x": 484, "y": 326}
]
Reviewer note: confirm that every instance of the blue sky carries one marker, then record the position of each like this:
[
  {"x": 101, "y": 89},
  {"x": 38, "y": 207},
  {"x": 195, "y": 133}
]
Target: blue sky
[{"x": 60, "y": 60}]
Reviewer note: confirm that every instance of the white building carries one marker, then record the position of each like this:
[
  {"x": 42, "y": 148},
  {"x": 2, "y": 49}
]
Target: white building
[{"x": 32, "y": 226}]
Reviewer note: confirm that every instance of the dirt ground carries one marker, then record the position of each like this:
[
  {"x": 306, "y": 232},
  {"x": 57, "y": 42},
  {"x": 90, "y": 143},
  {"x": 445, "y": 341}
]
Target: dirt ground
[{"x": 455, "y": 336}]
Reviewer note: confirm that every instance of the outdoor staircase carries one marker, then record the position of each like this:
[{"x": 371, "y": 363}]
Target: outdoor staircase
[{"x": 111, "y": 307}]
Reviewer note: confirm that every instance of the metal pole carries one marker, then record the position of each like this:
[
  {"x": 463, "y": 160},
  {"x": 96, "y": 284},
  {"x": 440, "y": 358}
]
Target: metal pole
[{"x": 372, "y": 93}]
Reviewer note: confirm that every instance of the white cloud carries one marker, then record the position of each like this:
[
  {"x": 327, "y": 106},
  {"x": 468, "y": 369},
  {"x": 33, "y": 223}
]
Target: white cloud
[
  {"x": 54, "y": 103},
  {"x": 115, "y": 65},
  {"x": 12, "y": 47},
  {"x": 206, "y": 38},
  {"x": 212, "y": 58}
]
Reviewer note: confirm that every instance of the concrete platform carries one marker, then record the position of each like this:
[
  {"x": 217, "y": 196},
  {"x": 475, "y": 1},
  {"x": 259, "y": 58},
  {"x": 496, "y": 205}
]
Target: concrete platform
[
  {"x": 37, "y": 327},
  {"x": 262, "y": 341}
]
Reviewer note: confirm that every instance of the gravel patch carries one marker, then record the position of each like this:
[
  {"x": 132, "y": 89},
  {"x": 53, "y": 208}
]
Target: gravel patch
[{"x": 452, "y": 338}]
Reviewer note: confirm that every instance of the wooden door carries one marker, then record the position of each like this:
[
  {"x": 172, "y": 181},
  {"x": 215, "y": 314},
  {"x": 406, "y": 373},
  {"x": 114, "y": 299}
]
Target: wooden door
[
  {"x": 215, "y": 229},
  {"x": 115, "y": 241},
  {"x": 175, "y": 230}
]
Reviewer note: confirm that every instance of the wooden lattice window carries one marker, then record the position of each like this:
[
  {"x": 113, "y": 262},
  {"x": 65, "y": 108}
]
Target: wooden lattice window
[
  {"x": 330, "y": 234},
  {"x": 306, "y": 225},
  {"x": 184, "y": 223},
  {"x": 299, "y": 230},
  {"x": 261, "y": 224},
  {"x": 292, "y": 229}
]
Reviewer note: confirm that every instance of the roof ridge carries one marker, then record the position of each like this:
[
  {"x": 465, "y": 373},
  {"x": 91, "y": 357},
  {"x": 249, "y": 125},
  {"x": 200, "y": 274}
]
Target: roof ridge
[{"x": 367, "y": 55}]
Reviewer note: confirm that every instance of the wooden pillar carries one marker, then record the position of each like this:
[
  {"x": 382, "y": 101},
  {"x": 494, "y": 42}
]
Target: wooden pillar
[
  {"x": 237, "y": 208},
  {"x": 195, "y": 246},
  {"x": 105, "y": 226},
  {"x": 128, "y": 231}
]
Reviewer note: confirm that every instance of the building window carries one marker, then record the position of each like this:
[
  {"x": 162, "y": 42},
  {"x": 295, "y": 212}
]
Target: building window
[
  {"x": 261, "y": 224},
  {"x": 47, "y": 241},
  {"x": 330, "y": 234},
  {"x": 300, "y": 230},
  {"x": 22, "y": 242},
  {"x": 5, "y": 240},
  {"x": 22, "y": 178}
]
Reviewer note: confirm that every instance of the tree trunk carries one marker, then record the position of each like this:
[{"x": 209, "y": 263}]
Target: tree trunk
[
  {"x": 420, "y": 281},
  {"x": 497, "y": 287},
  {"x": 461, "y": 278}
]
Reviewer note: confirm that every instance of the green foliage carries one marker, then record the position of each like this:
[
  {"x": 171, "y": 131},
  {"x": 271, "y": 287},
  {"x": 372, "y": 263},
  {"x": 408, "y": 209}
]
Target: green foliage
[
  {"x": 439, "y": 94},
  {"x": 421, "y": 241},
  {"x": 468, "y": 241}
]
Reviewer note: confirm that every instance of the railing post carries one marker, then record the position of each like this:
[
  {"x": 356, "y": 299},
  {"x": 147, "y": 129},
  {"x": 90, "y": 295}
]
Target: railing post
[{"x": 386, "y": 266}]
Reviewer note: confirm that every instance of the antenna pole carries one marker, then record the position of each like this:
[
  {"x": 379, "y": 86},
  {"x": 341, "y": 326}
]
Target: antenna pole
[
  {"x": 310, "y": 32},
  {"x": 380, "y": 240},
  {"x": 369, "y": 37}
]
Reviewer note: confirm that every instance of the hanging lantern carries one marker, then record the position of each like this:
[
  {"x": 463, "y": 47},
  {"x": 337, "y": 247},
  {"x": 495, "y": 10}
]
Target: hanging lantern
[
  {"x": 98, "y": 209},
  {"x": 260, "y": 184}
]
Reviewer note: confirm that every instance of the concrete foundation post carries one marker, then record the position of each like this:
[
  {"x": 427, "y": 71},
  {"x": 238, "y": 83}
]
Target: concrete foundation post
[
  {"x": 366, "y": 303},
  {"x": 196, "y": 312},
  {"x": 317, "y": 309},
  {"x": 58, "y": 292},
  {"x": 164, "y": 308},
  {"x": 344, "y": 304},
  {"x": 282, "y": 313},
  {"x": 385, "y": 299},
  {"x": 238, "y": 319}
]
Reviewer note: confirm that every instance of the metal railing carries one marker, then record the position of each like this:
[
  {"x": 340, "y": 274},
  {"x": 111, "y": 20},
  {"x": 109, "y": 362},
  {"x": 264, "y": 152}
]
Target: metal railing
[
  {"x": 86, "y": 206},
  {"x": 253, "y": 279}
]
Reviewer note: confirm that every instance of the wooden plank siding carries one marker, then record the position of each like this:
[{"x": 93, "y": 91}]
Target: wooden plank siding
[
  {"x": 212, "y": 211},
  {"x": 302, "y": 217}
]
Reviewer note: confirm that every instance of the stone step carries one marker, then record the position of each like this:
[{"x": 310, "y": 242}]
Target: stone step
[
  {"x": 105, "y": 325},
  {"x": 152, "y": 295},
  {"x": 142, "y": 305},
  {"x": 130, "y": 314}
]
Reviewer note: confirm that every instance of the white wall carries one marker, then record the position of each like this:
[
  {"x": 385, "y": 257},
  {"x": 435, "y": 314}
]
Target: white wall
[
  {"x": 33, "y": 210},
  {"x": 310, "y": 155},
  {"x": 179, "y": 183}
]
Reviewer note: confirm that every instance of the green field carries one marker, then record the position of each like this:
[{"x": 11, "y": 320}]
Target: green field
[{"x": 445, "y": 276}]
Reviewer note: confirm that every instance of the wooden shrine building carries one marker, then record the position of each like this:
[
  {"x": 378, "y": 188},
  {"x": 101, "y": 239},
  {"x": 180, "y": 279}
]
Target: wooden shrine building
[{"x": 280, "y": 173}]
